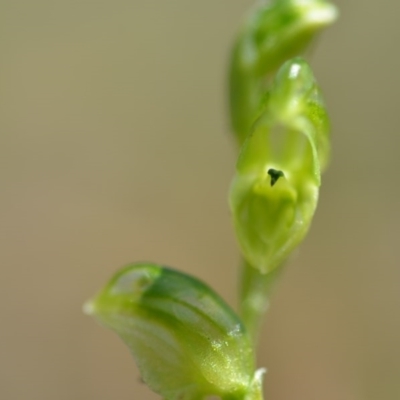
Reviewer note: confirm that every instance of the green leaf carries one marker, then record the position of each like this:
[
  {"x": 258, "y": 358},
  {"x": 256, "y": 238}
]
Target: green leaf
[
  {"x": 186, "y": 340},
  {"x": 273, "y": 33},
  {"x": 275, "y": 191}
]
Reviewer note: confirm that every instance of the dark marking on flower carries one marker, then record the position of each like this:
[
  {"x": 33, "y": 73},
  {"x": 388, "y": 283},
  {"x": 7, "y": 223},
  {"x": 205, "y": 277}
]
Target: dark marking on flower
[{"x": 275, "y": 174}]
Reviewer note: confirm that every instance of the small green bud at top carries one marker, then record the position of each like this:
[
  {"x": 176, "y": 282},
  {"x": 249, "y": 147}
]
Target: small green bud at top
[
  {"x": 274, "y": 193},
  {"x": 186, "y": 341},
  {"x": 275, "y": 32}
]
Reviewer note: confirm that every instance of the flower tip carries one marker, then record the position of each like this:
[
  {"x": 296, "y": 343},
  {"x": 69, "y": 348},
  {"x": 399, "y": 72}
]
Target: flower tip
[
  {"x": 88, "y": 308},
  {"x": 324, "y": 15}
]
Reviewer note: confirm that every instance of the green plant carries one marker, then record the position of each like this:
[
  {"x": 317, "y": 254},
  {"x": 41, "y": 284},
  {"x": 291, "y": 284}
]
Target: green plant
[{"x": 188, "y": 343}]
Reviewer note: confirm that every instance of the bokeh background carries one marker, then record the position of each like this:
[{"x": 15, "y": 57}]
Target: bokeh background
[{"x": 115, "y": 147}]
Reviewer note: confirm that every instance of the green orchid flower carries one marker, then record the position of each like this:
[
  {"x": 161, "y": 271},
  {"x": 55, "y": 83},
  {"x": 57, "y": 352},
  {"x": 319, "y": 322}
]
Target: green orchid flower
[
  {"x": 187, "y": 342},
  {"x": 273, "y": 33},
  {"x": 275, "y": 191}
]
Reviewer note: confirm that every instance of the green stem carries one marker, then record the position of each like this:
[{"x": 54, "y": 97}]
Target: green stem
[{"x": 255, "y": 292}]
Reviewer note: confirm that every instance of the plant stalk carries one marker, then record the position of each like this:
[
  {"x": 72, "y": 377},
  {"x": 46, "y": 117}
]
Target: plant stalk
[{"x": 255, "y": 293}]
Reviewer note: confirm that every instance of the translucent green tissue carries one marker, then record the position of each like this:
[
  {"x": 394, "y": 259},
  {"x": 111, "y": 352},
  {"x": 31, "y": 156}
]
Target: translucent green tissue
[
  {"x": 274, "y": 32},
  {"x": 275, "y": 191},
  {"x": 186, "y": 341}
]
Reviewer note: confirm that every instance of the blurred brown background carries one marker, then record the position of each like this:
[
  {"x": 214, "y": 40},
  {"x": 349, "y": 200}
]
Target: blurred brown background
[{"x": 114, "y": 147}]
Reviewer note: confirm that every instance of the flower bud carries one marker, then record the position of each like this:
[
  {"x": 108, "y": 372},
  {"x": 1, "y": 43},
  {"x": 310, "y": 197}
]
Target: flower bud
[
  {"x": 275, "y": 32},
  {"x": 274, "y": 193},
  {"x": 186, "y": 341}
]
